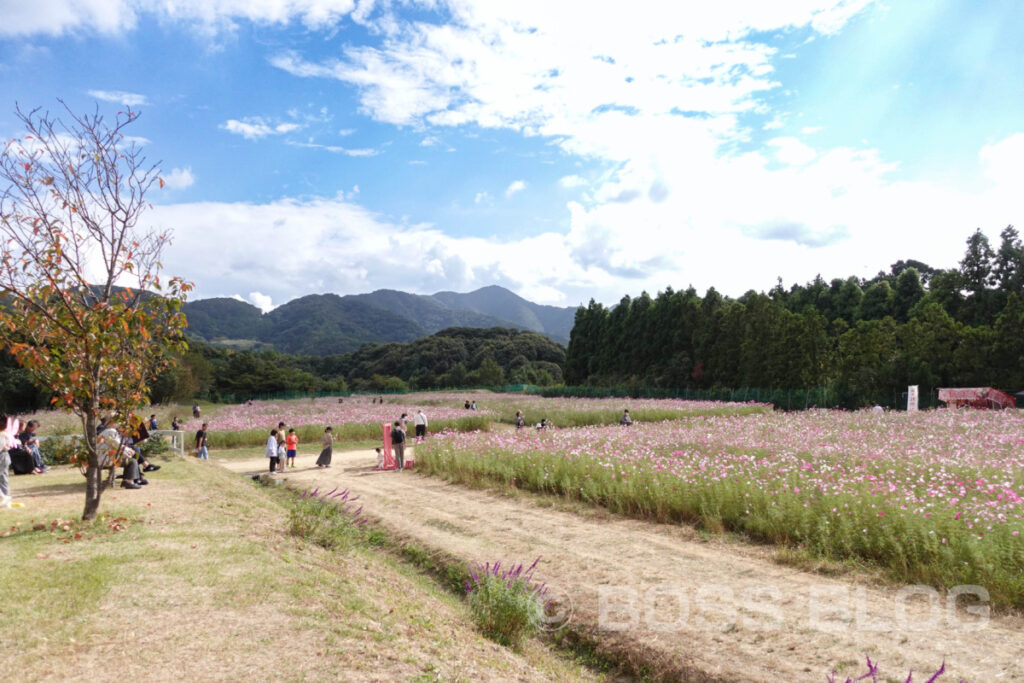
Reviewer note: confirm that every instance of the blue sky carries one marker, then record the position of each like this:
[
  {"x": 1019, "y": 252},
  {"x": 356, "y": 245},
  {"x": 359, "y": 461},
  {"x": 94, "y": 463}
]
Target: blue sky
[{"x": 564, "y": 150}]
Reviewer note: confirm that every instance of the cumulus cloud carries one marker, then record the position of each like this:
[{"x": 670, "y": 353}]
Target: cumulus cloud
[
  {"x": 179, "y": 178},
  {"x": 1003, "y": 161},
  {"x": 127, "y": 99},
  {"x": 515, "y": 187},
  {"x": 261, "y": 301}
]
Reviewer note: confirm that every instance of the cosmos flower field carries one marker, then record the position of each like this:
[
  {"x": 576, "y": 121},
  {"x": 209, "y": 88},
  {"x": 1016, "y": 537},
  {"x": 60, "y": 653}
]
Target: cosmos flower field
[{"x": 932, "y": 497}]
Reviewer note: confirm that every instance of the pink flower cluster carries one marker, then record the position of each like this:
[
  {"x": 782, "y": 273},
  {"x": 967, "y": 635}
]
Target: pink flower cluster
[
  {"x": 964, "y": 465},
  {"x": 320, "y": 411}
]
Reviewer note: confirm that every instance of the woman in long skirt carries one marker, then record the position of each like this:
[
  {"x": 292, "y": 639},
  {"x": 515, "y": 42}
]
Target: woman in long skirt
[{"x": 328, "y": 447}]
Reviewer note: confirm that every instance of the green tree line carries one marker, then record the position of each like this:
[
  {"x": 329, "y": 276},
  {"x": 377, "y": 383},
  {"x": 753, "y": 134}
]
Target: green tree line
[
  {"x": 865, "y": 340},
  {"x": 455, "y": 357}
]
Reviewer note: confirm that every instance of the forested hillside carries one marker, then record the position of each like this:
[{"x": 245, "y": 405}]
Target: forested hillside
[
  {"x": 451, "y": 358},
  {"x": 325, "y": 324},
  {"x": 863, "y": 339}
]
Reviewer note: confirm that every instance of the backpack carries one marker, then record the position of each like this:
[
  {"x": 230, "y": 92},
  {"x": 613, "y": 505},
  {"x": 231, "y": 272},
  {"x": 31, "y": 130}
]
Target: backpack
[{"x": 397, "y": 436}]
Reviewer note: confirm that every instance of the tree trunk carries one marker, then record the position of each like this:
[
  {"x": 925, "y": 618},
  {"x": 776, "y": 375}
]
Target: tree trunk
[{"x": 93, "y": 490}]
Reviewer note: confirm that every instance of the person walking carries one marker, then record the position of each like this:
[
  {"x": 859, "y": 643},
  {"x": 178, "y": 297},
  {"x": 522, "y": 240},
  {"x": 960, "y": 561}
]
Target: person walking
[
  {"x": 421, "y": 425},
  {"x": 327, "y": 449},
  {"x": 201, "y": 451},
  {"x": 398, "y": 444},
  {"x": 272, "y": 450}
]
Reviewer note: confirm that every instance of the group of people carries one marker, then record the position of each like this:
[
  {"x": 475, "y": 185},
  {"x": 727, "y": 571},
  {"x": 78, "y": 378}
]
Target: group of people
[
  {"x": 470, "y": 405},
  {"x": 283, "y": 448},
  {"x": 19, "y": 451}
]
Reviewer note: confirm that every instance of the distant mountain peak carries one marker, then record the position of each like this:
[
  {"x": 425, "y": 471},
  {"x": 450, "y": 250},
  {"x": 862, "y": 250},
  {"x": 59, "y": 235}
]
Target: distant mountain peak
[{"x": 321, "y": 324}]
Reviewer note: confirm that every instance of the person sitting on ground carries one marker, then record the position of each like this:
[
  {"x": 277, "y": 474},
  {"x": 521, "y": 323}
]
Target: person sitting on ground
[
  {"x": 467, "y": 404},
  {"x": 134, "y": 439},
  {"x": 380, "y": 458},
  {"x": 543, "y": 424},
  {"x": 626, "y": 420},
  {"x": 473, "y": 407},
  {"x": 30, "y": 442},
  {"x": 102, "y": 426}
]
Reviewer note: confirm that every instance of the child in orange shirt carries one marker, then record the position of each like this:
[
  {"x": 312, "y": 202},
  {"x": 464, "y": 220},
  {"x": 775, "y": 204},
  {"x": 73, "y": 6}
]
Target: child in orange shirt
[{"x": 291, "y": 443}]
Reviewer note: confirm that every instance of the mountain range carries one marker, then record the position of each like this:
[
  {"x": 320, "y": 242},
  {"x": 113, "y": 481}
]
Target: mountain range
[{"x": 323, "y": 324}]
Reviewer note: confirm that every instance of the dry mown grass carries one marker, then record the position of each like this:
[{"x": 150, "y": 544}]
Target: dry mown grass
[{"x": 193, "y": 577}]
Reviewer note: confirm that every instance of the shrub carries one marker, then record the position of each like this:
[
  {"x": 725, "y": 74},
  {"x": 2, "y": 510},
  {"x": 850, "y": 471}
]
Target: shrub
[
  {"x": 61, "y": 451},
  {"x": 506, "y": 604},
  {"x": 327, "y": 519}
]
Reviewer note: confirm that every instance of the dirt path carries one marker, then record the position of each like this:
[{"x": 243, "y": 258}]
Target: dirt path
[{"x": 722, "y": 609}]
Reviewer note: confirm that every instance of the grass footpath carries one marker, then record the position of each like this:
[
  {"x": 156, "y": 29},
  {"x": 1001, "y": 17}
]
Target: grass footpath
[{"x": 196, "y": 577}]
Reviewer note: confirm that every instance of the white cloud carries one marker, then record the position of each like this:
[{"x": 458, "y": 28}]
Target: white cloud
[
  {"x": 571, "y": 181},
  {"x": 515, "y": 187},
  {"x": 336, "y": 149},
  {"x": 1003, "y": 161},
  {"x": 482, "y": 198},
  {"x": 429, "y": 141},
  {"x": 262, "y": 301},
  {"x": 59, "y": 17},
  {"x": 127, "y": 99},
  {"x": 254, "y": 128},
  {"x": 792, "y": 151},
  {"x": 179, "y": 178}
]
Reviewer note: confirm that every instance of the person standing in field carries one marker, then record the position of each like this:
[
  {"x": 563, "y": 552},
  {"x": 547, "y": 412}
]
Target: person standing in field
[
  {"x": 421, "y": 425},
  {"x": 201, "y": 451},
  {"x": 195, "y": 410},
  {"x": 152, "y": 423},
  {"x": 520, "y": 420},
  {"x": 404, "y": 421},
  {"x": 5, "y": 465},
  {"x": 292, "y": 447},
  {"x": 398, "y": 444},
  {"x": 327, "y": 449},
  {"x": 280, "y": 446},
  {"x": 272, "y": 450},
  {"x": 175, "y": 425}
]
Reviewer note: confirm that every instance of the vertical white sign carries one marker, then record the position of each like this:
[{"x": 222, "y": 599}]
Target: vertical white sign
[{"x": 912, "y": 398}]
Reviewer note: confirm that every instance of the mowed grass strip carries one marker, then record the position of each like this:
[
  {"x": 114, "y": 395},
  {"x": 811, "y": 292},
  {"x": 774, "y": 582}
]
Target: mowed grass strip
[{"x": 195, "y": 577}]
